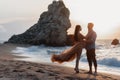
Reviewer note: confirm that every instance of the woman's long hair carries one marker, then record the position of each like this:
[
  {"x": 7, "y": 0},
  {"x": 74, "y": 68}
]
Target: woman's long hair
[
  {"x": 77, "y": 29},
  {"x": 69, "y": 54}
]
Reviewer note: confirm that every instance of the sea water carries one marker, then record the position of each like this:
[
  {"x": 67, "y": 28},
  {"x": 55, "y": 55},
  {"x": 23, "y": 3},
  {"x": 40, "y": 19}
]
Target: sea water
[{"x": 108, "y": 56}]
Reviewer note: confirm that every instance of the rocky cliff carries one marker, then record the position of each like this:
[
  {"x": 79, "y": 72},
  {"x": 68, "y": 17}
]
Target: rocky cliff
[{"x": 51, "y": 28}]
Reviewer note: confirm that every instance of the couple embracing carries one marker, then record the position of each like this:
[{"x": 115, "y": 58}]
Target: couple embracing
[{"x": 87, "y": 42}]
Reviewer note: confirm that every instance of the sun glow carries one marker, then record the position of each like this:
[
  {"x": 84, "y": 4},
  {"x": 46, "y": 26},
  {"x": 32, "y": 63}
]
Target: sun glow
[
  {"x": 105, "y": 14},
  {"x": 105, "y": 17}
]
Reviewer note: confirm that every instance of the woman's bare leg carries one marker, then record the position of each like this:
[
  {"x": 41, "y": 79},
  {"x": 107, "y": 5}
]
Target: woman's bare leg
[{"x": 77, "y": 61}]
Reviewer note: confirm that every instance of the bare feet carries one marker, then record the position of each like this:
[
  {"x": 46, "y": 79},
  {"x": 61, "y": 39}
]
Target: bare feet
[
  {"x": 95, "y": 73},
  {"x": 77, "y": 70},
  {"x": 89, "y": 72}
]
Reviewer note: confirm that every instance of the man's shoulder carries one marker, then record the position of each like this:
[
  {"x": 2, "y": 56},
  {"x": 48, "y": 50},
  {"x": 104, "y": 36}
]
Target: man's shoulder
[{"x": 94, "y": 32}]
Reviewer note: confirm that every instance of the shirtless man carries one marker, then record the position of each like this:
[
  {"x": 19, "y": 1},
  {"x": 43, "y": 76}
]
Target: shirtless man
[{"x": 90, "y": 47}]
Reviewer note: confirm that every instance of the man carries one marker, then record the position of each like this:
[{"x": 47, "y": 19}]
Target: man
[{"x": 90, "y": 47}]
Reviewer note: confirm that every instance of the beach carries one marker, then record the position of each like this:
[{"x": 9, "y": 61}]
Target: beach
[{"x": 11, "y": 69}]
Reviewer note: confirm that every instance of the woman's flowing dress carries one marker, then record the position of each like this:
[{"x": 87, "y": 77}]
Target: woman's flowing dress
[{"x": 71, "y": 53}]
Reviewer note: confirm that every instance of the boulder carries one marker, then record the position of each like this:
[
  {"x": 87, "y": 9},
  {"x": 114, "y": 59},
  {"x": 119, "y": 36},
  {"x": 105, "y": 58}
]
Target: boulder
[
  {"x": 51, "y": 28},
  {"x": 115, "y": 42}
]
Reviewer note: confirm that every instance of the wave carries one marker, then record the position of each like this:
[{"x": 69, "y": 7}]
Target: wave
[
  {"x": 113, "y": 62},
  {"x": 105, "y": 56}
]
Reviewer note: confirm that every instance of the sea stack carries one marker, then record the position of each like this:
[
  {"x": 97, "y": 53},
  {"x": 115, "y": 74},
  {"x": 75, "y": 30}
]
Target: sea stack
[{"x": 51, "y": 28}]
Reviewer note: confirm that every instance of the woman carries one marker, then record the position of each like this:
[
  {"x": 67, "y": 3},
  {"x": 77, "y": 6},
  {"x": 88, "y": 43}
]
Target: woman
[{"x": 74, "y": 52}]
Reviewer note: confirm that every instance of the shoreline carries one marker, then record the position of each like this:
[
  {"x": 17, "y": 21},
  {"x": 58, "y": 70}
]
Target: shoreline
[
  {"x": 63, "y": 65},
  {"x": 25, "y": 70}
]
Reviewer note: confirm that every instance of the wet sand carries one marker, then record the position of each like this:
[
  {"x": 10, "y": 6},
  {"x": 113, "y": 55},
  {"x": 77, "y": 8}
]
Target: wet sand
[{"x": 11, "y": 69}]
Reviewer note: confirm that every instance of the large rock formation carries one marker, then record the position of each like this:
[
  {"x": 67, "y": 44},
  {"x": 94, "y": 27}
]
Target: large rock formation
[
  {"x": 51, "y": 28},
  {"x": 70, "y": 40}
]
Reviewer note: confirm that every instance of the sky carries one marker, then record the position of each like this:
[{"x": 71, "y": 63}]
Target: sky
[{"x": 16, "y": 16}]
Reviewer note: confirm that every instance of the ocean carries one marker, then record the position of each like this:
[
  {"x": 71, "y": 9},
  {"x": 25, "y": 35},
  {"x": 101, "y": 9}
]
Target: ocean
[{"x": 108, "y": 56}]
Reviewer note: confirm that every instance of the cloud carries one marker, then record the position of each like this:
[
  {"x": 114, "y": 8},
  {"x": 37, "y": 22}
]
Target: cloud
[{"x": 2, "y": 29}]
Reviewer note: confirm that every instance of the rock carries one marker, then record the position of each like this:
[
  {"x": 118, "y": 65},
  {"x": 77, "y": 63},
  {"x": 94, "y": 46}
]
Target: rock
[
  {"x": 51, "y": 28},
  {"x": 115, "y": 42},
  {"x": 70, "y": 39}
]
